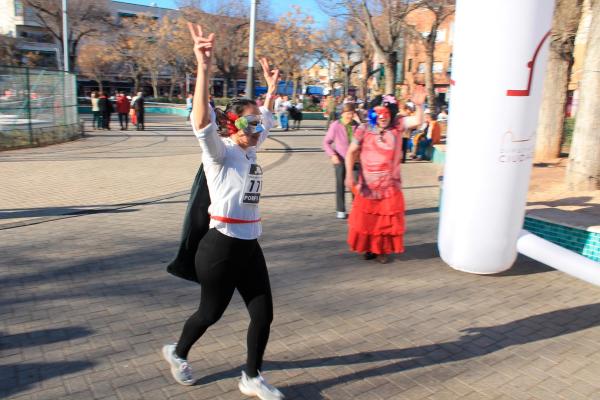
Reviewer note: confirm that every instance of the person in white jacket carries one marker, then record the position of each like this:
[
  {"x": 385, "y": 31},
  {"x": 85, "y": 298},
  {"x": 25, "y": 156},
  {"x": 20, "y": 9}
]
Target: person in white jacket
[{"x": 229, "y": 256}]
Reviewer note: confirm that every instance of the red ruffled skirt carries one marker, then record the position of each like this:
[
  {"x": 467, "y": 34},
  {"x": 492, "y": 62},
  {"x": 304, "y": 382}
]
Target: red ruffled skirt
[{"x": 377, "y": 225}]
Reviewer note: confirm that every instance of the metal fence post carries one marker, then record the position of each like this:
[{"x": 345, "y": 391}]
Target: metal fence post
[{"x": 28, "y": 102}]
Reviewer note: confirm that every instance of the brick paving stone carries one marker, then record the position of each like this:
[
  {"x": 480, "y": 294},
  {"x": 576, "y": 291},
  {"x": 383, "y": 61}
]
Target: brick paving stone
[{"x": 85, "y": 303}]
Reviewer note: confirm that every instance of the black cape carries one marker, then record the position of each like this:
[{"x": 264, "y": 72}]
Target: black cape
[{"x": 195, "y": 226}]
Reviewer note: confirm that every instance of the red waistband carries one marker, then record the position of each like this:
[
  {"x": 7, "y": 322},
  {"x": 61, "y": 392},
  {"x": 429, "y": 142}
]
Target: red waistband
[{"x": 234, "y": 220}]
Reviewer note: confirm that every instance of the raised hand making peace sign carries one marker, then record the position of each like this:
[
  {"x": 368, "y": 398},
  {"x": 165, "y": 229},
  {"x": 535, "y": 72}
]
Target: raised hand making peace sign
[
  {"x": 271, "y": 75},
  {"x": 203, "y": 46}
]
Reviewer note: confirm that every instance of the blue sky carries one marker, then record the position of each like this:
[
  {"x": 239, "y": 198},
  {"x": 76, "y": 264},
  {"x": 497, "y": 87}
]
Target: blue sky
[{"x": 279, "y": 7}]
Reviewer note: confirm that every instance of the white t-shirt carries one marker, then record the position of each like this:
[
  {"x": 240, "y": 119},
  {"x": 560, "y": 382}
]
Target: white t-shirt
[
  {"x": 283, "y": 106},
  {"x": 231, "y": 174},
  {"x": 278, "y": 102}
]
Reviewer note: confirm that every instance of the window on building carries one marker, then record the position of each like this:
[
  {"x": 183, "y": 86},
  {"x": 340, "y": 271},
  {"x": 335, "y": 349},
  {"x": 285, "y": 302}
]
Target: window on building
[
  {"x": 18, "y": 8},
  {"x": 409, "y": 68},
  {"x": 421, "y": 68},
  {"x": 438, "y": 67}
]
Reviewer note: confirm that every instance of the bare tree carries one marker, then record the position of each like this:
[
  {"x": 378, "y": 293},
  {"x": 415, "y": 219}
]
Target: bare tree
[
  {"x": 85, "y": 18},
  {"x": 178, "y": 54},
  {"x": 291, "y": 41},
  {"x": 384, "y": 24},
  {"x": 560, "y": 62},
  {"x": 583, "y": 171},
  {"x": 231, "y": 47},
  {"x": 343, "y": 45},
  {"x": 96, "y": 63},
  {"x": 440, "y": 10},
  {"x": 9, "y": 53},
  {"x": 128, "y": 54}
]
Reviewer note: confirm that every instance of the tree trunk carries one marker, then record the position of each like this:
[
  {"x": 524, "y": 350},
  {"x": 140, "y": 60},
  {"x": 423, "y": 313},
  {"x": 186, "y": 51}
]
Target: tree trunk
[
  {"x": 172, "y": 87},
  {"x": 154, "y": 79},
  {"x": 429, "y": 82},
  {"x": 554, "y": 98},
  {"x": 73, "y": 57},
  {"x": 225, "y": 86},
  {"x": 294, "y": 87},
  {"x": 347, "y": 73},
  {"x": 389, "y": 67},
  {"x": 364, "y": 86},
  {"x": 136, "y": 83},
  {"x": 100, "y": 87},
  {"x": 583, "y": 171},
  {"x": 552, "y": 110}
]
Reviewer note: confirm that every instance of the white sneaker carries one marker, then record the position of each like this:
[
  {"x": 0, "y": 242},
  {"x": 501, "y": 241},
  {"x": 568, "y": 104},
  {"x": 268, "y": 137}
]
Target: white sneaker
[
  {"x": 180, "y": 369},
  {"x": 258, "y": 387},
  {"x": 341, "y": 215}
]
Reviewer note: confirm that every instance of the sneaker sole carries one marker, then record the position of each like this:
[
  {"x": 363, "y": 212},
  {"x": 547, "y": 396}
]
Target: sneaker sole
[
  {"x": 174, "y": 368},
  {"x": 252, "y": 393}
]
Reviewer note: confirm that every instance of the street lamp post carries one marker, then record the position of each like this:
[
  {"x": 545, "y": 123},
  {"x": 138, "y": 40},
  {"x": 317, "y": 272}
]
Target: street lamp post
[
  {"x": 65, "y": 37},
  {"x": 250, "y": 76}
]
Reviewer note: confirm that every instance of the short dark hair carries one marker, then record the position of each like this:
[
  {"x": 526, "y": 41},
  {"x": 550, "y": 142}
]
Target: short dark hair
[
  {"x": 348, "y": 107},
  {"x": 238, "y": 104},
  {"x": 235, "y": 106}
]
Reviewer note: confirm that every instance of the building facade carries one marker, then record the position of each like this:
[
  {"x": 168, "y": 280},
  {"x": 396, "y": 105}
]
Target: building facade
[
  {"x": 19, "y": 21},
  {"x": 415, "y": 54}
]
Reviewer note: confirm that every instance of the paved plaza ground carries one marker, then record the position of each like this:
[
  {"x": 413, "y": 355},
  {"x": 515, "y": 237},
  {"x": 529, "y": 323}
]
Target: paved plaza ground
[{"x": 87, "y": 227}]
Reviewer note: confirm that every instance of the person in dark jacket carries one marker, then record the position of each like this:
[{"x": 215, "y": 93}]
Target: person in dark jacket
[
  {"x": 106, "y": 108},
  {"x": 138, "y": 105},
  {"x": 123, "y": 110}
]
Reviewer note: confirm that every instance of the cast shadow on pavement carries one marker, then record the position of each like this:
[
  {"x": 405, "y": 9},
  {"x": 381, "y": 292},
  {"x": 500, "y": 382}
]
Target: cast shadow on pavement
[
  {"x": 56, "y": 211},
  {"x": 23, "y": 375},
  {"x": 475, "y": 342},
  {"x": 42, "y": 337}
]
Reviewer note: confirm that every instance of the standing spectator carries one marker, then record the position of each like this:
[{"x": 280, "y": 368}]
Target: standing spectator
[
  {"x": 123, "y": 108},
  {"x": 406, "y": 111},
  {"x": 138, "y": 105},
  {"x": 429, "y": 136},
  {"x": 443, "y": 115},
  {"x": 296, "y": 113},
  {"x": 106, "y": 108},
  {"x": 189, "y": 104},
  {"x": 336, "y": 142},
  {"x": 97, "y": 117},
  {"x": 361, "y": 112},
  {"x": 284, "y": 113}
]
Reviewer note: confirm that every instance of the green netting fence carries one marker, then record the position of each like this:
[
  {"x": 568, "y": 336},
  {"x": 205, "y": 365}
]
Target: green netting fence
[{"x": 37, "y": 107}]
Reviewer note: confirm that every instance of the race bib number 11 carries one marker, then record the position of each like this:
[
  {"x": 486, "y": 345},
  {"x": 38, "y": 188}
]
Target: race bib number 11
[{"x": 252, "y": 185}]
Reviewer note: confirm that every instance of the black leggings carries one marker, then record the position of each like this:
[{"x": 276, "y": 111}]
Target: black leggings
[
  {"x": 124, "y": 120},
  {"x": 224, "y": 264}
]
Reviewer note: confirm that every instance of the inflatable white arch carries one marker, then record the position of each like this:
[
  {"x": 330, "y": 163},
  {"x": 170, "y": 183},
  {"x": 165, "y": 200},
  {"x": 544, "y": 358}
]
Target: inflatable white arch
[{"x": 498, "y": 66}]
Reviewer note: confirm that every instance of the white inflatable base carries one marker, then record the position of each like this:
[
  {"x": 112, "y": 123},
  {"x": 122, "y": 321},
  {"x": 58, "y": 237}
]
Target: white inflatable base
[
  {"x": 558, "y": 257},
  {"x": 478, "y": 272}
]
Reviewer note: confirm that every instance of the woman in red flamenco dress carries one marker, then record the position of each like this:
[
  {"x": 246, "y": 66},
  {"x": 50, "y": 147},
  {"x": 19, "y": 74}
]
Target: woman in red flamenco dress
[{"x": 376, "y": 223}]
